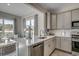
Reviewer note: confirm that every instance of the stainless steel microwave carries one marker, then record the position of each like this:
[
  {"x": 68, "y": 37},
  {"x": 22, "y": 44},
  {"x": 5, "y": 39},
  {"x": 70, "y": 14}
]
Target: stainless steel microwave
[{"x": 75, "y": 24}]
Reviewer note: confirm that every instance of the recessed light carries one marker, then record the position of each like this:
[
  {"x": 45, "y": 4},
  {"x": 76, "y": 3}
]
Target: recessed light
[{"x": 8, "y": 4}]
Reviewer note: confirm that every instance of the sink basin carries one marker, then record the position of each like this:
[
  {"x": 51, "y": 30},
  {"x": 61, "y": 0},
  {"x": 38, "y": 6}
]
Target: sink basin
[{"x": 42, "y": 37}]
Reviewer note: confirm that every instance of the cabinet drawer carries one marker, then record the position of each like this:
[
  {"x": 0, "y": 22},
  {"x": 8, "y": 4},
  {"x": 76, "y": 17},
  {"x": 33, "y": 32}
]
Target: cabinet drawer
[{"x": 46, "y": 50}]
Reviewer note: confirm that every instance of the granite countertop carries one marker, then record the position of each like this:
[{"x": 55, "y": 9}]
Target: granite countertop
[{"x": 30, "y": 42}]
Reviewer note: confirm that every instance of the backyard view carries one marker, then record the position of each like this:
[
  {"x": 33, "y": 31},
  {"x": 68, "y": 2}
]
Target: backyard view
[{"x": 6, "y": 27}]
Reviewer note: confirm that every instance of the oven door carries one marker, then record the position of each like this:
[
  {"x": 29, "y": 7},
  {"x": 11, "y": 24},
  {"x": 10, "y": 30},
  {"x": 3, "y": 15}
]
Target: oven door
[
  {"x": 75, "y": 46},
  {"x": 75, "y": 24}
]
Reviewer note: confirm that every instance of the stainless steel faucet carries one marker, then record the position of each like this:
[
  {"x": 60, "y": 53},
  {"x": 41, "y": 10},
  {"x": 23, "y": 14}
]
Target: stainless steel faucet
[
  {"x": 40, "y": 33},
  {"x": 44, "y": 32}
]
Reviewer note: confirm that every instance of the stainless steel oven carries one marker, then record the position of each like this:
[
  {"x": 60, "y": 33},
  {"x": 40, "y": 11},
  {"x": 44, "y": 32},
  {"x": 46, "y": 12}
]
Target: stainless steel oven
[
  {"x": 75, "y": 24},
  {"x": 75, "y": 42},
  {"x": 75, "y": 46}
]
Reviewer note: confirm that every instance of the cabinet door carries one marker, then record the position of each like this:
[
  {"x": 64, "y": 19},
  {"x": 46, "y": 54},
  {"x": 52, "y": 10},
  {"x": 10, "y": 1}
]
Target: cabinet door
[
  {"x": 75, "y": 15},
  {"x": 67, "y": 20},
  {"x": 66, "y": 44},
  {"x": 54, "y": 21},
  {"x": 63, "y": 44},
  {"x": 64, "y": 20},
  {"x": 49, "y": 46},
  {"x": 48, "y": 20},
  {"x": 46, "y": 48},
  {"x": 60, "y": 21},
  {"x": 58, "y": 42},
  {"x": 52, "y": 44}
]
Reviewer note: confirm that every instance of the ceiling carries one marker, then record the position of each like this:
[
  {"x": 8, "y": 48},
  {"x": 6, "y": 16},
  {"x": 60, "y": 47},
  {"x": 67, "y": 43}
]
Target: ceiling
[
  {"x": 58, "y": 7},
  {"x": 21, "y": 9},
  {"x": 18, "y": 9}
]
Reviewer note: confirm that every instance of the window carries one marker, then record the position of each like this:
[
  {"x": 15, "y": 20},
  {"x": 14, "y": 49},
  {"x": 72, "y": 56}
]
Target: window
[
  {"x": 32, "y": 28},
  {"x": 1, "y": 26},
  {"x": 6, "y": 26},
  {"x": 29, "y": 30}
]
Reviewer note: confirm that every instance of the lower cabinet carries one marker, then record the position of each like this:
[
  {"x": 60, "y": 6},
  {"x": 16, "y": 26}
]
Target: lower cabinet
[
  {"x": 49, "y": 46},
  {"x": 63, "y": 43},
  {"x": 58, "y": 42},
  {"x": 66, "y": 44}
]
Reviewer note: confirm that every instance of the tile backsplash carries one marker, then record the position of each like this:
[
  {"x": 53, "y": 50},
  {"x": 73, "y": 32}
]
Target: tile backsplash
[{"x": 62, "y": 33}]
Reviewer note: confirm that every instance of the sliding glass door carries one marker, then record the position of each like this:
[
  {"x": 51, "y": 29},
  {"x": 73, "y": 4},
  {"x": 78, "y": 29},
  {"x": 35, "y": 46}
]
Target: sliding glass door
[
  {"x": 32, "y": 28},
  {"x": 29, "y": 30}
]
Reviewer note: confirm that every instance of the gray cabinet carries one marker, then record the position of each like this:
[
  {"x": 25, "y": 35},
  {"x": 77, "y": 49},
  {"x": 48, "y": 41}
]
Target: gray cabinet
[
  {"x": 60, "y": 21},
  {"x": 75, "y": 15},
  {"x": 63, "y": 43},
  {"x": 54, "y": 21},
  {"x": 64, "y": 20},
  {"x": 51, "y": 20},
  {"x": 58, "y": 42},
  {"x": 66, "y": 44},
  {"x": 48, "y": 20},
  {"x": 52, "y": 44},
  {"x": 49, "y": 46},
  {"x": 67, "y": 20}
]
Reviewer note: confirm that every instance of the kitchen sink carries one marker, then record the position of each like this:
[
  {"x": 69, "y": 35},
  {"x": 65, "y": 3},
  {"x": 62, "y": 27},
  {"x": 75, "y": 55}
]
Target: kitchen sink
[{"x": 42, "y": 37}]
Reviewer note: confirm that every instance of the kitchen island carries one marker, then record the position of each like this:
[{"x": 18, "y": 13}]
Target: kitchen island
[
  {"x": 7, "y": 47},
  {"x": 42, "y": 45},
  {"x": 34, "y": 41}
]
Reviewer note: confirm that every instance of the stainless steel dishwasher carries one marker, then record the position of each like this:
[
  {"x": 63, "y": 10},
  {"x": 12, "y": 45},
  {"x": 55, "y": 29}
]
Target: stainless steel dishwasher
[{"x": 37, "y": 50}]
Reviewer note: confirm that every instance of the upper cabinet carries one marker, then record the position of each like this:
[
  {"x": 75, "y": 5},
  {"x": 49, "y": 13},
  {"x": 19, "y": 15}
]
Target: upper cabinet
[
  {"x": 75, "y": 15},
  {"x": 48, "y": 20},
  {"x": 67, "y": 20},
  {"x": 53, "y": 21},
  {"x": 60, "y": 20},
  {"x": 64, "y": 20}
]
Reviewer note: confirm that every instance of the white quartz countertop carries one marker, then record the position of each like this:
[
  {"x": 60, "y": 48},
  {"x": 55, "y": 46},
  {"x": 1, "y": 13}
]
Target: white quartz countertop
[
  {"x": 6, "y": 43},
  {"x": 30, "y": 42}
]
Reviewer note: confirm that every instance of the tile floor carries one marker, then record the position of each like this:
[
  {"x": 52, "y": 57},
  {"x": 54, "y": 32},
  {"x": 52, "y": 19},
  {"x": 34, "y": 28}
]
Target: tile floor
[{"x": 60, "y": 53}]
